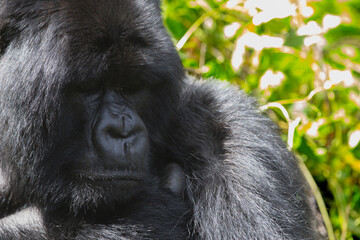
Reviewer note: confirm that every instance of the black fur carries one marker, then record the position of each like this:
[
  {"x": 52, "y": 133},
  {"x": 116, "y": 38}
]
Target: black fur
[{"x": 240, "y": 181}]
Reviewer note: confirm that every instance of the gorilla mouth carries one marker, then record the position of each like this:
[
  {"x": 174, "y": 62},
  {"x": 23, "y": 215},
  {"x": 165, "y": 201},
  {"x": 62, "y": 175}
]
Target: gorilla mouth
[{"x": 110, "y": 176}]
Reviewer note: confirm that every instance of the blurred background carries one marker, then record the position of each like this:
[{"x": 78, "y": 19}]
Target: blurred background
[{"x": 301, "y": 60}]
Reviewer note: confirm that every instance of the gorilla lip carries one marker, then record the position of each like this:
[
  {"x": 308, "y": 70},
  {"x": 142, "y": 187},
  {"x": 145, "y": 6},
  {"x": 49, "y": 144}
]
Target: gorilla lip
[{"x": 110, "y": 176}]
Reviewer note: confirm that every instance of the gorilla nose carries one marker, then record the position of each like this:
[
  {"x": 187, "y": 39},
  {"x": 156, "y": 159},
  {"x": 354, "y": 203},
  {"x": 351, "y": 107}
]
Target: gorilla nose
[
  {"x": 117, "y": 127},
  {"x": 114, "y": 126},
  {"x": 120, "y": 136}
]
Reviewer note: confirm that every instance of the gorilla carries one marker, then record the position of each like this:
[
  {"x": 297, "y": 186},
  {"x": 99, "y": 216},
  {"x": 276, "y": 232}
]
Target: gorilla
[{"x": 103, "y": 135}]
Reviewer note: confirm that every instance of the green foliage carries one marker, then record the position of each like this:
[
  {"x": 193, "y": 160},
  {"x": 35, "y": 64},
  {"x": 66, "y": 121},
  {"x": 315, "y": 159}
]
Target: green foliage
[{"x": 307, "y": 79}]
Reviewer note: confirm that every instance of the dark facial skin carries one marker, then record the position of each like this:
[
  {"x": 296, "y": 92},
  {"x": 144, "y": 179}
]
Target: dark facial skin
[{"x": 116, "y": 150}]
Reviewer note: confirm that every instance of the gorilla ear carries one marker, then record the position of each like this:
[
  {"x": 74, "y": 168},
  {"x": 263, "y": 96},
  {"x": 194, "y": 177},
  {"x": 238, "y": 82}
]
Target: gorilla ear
[{"x": 174, "y": 179}]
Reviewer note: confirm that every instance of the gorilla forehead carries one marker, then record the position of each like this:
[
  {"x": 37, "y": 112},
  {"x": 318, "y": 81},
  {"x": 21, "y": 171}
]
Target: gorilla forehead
[
  {"x": 95, "y": 35},
  {"x": 114, "y": 17}
]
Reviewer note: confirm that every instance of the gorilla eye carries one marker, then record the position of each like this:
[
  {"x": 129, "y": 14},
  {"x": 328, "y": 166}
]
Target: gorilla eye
[
  {"x": 128, "y": 89},
  {"x": 119, "y": 89},
  {"x": 90, "y": 87}
]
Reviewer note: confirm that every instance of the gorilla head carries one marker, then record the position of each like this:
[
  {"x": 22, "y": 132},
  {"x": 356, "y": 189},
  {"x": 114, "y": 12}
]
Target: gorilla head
[
  {"x": 86, "y": 88},
  {"x": 103, "y": 134}
]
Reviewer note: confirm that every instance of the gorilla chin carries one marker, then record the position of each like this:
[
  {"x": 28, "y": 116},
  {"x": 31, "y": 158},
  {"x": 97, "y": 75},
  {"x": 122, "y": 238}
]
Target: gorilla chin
[
  {"x": 118, "y": 187},
  {"x": 103, "y": 136}
]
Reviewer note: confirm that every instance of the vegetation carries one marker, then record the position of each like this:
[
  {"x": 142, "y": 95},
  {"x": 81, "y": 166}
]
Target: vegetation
[{"x": 301, "y": 59}]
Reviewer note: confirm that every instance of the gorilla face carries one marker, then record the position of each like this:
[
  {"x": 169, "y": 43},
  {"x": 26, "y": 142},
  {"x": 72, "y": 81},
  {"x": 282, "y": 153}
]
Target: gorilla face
[{"x": 88, "y": 88}]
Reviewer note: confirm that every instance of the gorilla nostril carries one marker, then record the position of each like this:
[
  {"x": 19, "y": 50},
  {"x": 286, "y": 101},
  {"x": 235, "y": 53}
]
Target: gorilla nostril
[
  {"x": 125, "y": 147},
  {"x": 123, "y": 122},
  {"x": 116, "y": 132}
]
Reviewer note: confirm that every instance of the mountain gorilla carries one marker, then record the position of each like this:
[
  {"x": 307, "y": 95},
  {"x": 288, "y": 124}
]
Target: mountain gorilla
[{"x": 104, "y": 137}]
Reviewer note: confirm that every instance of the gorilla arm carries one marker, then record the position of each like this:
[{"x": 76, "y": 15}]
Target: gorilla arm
[
  {"x": 26, "y": 224},
  {"x": 241, "y": 179}
]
